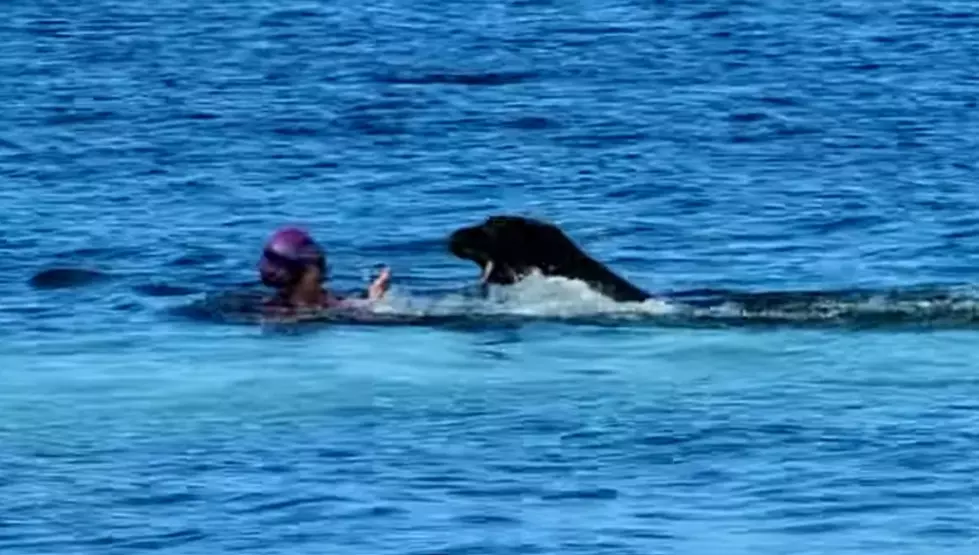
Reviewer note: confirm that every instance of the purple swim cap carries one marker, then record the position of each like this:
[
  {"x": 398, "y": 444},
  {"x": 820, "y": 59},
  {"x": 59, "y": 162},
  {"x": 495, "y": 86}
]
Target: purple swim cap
[{"x": 287, "y": 254}]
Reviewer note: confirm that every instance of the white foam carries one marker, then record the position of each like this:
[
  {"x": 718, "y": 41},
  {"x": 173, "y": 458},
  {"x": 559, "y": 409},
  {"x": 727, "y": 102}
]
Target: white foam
[{"x": 534, "y": 296}]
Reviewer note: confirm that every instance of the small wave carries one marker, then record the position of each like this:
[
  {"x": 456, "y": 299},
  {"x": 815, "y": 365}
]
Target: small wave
[
  {"x": 10, "y": 145},
  {"x": 472, "y": 79},
  {"x": 149, "y": 540},
  {"x": 164, "y": 290},
  {"x": 202, "y": 116},
  {"x": 532, "y": 123},
  {"x": 582, "y": 494},
  {"x": 279, "y": 504},
  {"x": 286, "y": 17},
  {"x": 712, "y": 14},
  {"x": 861, "y": 308},
  {"x": 486, "y": 519},
  {"x": 67, "y": 117}
]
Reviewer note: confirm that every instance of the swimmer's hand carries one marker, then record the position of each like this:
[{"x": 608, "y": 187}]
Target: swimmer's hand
[{"x": 380, "y": 285}]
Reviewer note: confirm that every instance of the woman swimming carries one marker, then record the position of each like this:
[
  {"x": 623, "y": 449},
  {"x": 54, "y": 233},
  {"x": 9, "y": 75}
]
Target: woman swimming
[{"x": 295, "y": 265}]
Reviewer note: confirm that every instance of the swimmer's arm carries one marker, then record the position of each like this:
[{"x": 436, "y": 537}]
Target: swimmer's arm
[
  {"x": 379, "y": 287},
  {"x": 374, "y": 292}
]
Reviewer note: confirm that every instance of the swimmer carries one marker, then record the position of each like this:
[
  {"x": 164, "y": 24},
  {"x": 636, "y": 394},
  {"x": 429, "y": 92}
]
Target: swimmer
[{"x": 295, "y": 265}]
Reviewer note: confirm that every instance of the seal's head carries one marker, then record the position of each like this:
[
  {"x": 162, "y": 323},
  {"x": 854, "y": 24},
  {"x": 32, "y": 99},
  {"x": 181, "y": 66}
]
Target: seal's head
[
  {"x": 508, "y": 248},
  {"x": 288, "y": 254}
]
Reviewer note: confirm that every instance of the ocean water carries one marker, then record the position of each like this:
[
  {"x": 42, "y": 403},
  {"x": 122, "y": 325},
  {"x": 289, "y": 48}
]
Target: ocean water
[{"x": 810, "y": 167}]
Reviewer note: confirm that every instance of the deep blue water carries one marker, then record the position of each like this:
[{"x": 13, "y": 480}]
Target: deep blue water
[{"x": 748, "y": 146}]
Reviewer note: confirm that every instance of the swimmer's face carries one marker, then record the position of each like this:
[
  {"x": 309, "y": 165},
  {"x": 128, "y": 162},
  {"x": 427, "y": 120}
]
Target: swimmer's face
[
  {"x": 311, "y": 276},
  {"x": 280, "y": 273}
]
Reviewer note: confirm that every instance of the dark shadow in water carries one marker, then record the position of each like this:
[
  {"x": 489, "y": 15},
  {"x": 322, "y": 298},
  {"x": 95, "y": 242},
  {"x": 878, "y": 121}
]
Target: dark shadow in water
[{"x": 60, "y": 278}]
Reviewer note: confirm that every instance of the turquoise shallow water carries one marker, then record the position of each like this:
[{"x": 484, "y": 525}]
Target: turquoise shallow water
[
  {"x": 746, "y": 148},
  {"x": 496, "y": 442}
]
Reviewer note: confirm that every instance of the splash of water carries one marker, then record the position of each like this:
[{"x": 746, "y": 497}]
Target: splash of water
[{"x": 534, "y": 297}]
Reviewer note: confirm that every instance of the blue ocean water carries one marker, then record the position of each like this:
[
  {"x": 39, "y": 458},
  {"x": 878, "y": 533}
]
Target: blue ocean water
[{"x": 747, "y": 146}]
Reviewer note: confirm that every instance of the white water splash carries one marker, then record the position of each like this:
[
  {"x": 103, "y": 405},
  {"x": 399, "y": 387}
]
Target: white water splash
[{"x": 534, "y": 296}]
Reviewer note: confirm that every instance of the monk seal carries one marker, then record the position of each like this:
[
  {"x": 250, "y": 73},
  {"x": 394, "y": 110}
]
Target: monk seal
[{"x": 509, "y": 248}]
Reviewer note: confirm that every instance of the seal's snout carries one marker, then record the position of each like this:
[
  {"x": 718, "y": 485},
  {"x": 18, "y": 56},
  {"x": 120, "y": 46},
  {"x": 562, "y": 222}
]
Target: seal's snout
[
  {"x": 472, "y": 243},
  {"x": 458, "y": 243}
]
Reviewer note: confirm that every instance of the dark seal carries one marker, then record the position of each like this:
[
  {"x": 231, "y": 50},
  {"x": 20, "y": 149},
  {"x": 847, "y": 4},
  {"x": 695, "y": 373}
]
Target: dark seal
[{"x": 509, "y": 248}]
